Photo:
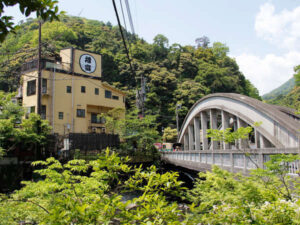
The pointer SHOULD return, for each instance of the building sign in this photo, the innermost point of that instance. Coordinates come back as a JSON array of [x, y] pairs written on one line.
[[87, 63]]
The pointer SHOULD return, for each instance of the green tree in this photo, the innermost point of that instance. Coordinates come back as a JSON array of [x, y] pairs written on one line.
[[219, 49], [140, 133], [44, 9], [188, 93], [56, 34], [115, 121], [159, 99], [297, 75], [66, 194], [188, 66], [15, 131], [168, 69], [221, 197], [268, 196], [160, 46], [170, 135]]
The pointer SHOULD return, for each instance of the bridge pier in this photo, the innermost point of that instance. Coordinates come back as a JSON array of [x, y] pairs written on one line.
[[186, 142], [225, 125], [191, 137], [279, 126], [197, 133], [204, 140], [242, 143], [213, 125]]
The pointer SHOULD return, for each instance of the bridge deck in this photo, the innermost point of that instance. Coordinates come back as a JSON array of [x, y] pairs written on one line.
[[232, 160]]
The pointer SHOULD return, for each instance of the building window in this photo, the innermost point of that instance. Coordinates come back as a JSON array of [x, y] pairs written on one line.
[[80, 113], [115, 97], [69, 89], [95, 118], [29, 110], [61, 115], [32, 109], [44, 86], [96, 91], [82, 89], [107, 94], [31, 87], [43, 113]]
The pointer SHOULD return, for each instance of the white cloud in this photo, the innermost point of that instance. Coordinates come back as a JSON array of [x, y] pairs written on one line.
[[270, 71], [281, 29]]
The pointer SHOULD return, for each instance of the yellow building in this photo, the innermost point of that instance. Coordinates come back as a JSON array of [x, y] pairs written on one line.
[[73, 95]]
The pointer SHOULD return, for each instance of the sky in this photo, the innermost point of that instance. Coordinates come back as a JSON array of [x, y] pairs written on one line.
[[262, 35]]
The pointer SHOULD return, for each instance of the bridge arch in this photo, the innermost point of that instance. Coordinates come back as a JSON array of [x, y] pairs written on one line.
[[279, 125]]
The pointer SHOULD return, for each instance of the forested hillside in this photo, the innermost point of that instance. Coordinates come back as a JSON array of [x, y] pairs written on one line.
[[289, 97], [174, 73], [283, 89]]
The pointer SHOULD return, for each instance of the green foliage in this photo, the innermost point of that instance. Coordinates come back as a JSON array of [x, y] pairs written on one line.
[[160, 46], [170, 135], [140, 133], [85, 193], [287, 94], [15, 131], [10, 110], [297, 75], [44, 9], [283, 89], [58, 31], [115, 121], [269, 196], [188, 93], [276, 176], [229, 136], [67, 194], [219, 49], [174, 74], [150, 181]]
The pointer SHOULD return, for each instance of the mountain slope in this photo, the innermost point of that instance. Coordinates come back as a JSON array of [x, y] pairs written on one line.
[[174, 74], [284, 89]]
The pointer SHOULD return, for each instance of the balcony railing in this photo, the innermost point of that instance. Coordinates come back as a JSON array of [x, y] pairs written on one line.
[[232, 160]]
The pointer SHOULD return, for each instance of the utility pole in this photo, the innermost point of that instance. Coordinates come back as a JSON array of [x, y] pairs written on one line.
[[39, 92], [178, 106], [39, 80]]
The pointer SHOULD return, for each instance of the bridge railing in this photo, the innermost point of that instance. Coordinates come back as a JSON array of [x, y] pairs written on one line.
[[232, 160]]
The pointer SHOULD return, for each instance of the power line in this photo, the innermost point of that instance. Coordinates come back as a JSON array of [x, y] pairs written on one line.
[[122, 35], [129, 16], [140, 94], [123, 15]]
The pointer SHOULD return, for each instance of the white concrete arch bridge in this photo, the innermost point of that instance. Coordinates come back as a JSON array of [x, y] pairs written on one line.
[[277, 133]]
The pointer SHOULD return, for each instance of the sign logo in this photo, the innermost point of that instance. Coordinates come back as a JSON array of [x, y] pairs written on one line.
[[87, 63]]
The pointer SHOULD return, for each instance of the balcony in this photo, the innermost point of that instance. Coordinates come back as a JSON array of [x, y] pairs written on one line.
[[45, 64]]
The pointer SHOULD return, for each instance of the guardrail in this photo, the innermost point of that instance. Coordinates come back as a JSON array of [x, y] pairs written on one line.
[[232, 160]]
